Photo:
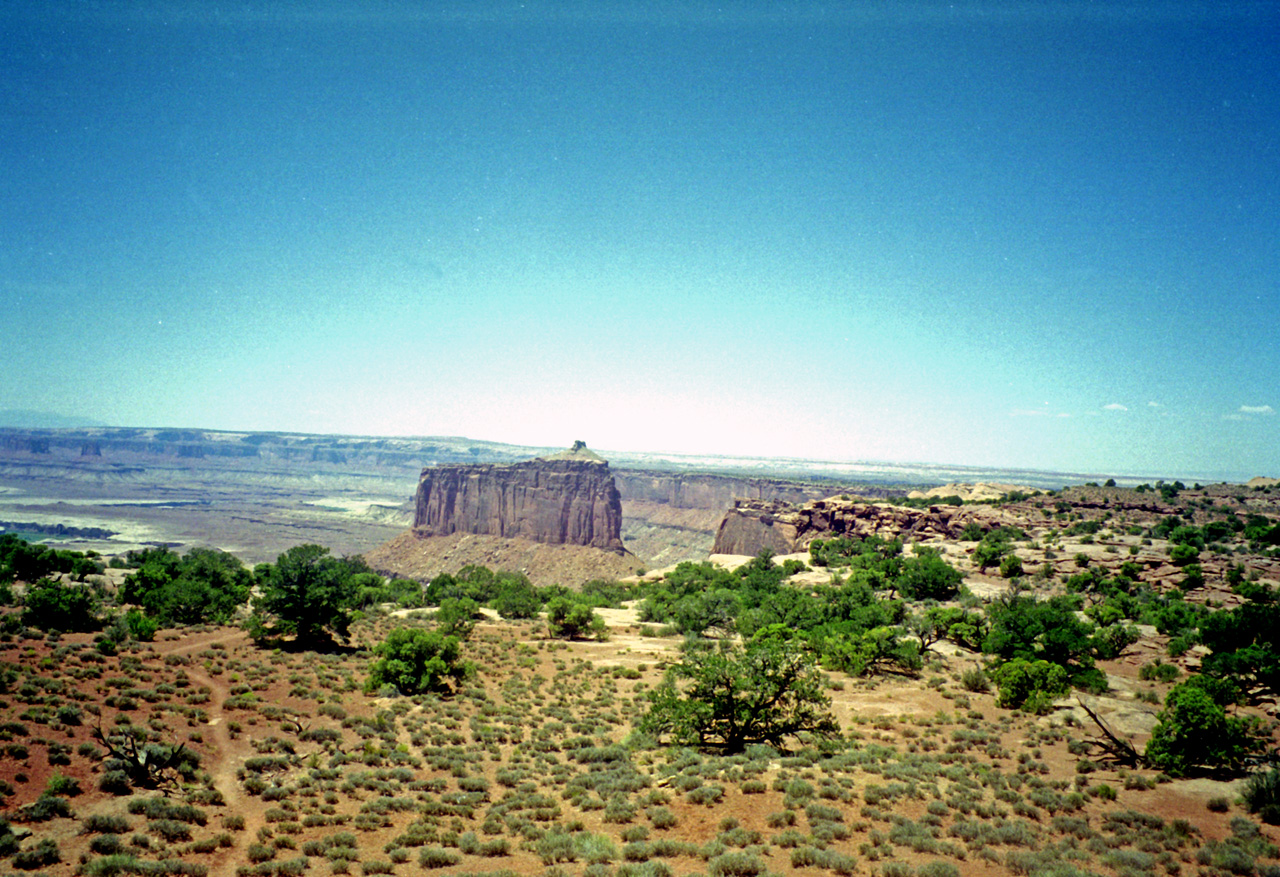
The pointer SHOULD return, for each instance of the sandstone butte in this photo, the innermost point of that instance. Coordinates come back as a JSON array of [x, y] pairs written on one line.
[[568, 498]]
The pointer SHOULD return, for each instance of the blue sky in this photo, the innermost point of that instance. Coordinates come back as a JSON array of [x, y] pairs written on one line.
[[1001, 234]]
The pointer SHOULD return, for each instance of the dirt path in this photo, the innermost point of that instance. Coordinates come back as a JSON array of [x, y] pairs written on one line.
[[225, 755]]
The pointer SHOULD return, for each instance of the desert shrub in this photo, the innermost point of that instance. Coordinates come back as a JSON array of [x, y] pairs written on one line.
[[52, 605], [938, 869], [736, 864], [1194, 731], [975, 680], [62, 785], [104, 823], [1158, 671], [43, 853], [764, 692], [43, 809], [106, 844], [415, 660], [1030, 686], [595, 849], [572, 620], [661, 817], [1262, 795], [1011, 566]]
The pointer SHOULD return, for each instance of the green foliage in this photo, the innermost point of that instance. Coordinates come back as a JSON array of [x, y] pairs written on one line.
[[1194, 731], [1158, 671], [1011, 566], [572, 620], [415, 660], [1110, 642], [728, 697], [1030, 686], [605, 594], [139, 626], [517, 598], [1022, 627], [1262, 795], [1243, 642], [961, 626], [706, 611], [860, 653], [851, 550], [25, 561], [308, 594], [206, 585], [926, 576], [52, 605], [992, 549], [457, 616]]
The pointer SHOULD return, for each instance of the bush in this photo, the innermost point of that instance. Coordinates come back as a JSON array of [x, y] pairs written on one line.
[[1262, 795], [571, 620], [42, 854], [415, 660], [308, 594], [102, 823], [1011, 566], [736, 864], [51, 605], [44, 808], [764, 692], [1194, 731], [926, 576], [1030, 686]]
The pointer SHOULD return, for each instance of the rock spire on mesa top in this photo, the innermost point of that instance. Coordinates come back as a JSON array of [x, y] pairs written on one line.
[[579, 452]]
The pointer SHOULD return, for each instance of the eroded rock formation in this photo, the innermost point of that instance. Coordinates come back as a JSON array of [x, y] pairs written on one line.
[[785, 528], [567, 499]]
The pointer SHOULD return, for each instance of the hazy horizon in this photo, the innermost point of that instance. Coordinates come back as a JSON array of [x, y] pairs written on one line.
[[999, 235]]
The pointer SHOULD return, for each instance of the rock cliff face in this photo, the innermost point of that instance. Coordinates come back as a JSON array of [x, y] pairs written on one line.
[[568, 499], [784, 528]]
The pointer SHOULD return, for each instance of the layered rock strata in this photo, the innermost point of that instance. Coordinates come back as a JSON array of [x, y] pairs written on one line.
[[784, 528], [568, 499]]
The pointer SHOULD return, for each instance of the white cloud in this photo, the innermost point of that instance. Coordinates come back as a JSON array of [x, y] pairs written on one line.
[[1115, 406], [1037, 412], [1257, 409], [1234, 417], [1154, 405]]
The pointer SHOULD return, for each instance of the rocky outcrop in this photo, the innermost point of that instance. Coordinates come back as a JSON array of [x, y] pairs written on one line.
[[566, 499], [689, 490], [785, 528]]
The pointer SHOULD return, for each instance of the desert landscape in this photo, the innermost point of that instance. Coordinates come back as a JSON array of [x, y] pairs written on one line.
[[955, 679]]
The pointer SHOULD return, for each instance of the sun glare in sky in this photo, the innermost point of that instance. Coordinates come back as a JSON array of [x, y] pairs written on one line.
[[1010, 235]]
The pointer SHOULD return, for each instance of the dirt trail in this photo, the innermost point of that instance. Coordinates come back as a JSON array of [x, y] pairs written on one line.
[[226, 755]]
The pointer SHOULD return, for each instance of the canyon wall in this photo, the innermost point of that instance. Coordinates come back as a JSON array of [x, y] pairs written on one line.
[[569, 499], [784, 528]]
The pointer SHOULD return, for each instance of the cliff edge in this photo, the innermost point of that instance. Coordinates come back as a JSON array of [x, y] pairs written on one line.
[[565, 499]]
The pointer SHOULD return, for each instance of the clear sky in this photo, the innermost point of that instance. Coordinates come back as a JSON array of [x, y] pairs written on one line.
[[993, 233]]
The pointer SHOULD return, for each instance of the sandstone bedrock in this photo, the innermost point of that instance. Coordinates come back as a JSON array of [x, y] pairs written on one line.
[[570, 500]]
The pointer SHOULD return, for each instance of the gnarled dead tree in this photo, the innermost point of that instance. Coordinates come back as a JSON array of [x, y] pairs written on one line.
[[1110, 747], [147, 765]]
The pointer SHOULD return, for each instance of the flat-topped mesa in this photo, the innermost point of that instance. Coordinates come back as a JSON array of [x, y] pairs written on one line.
[[567, 498]]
